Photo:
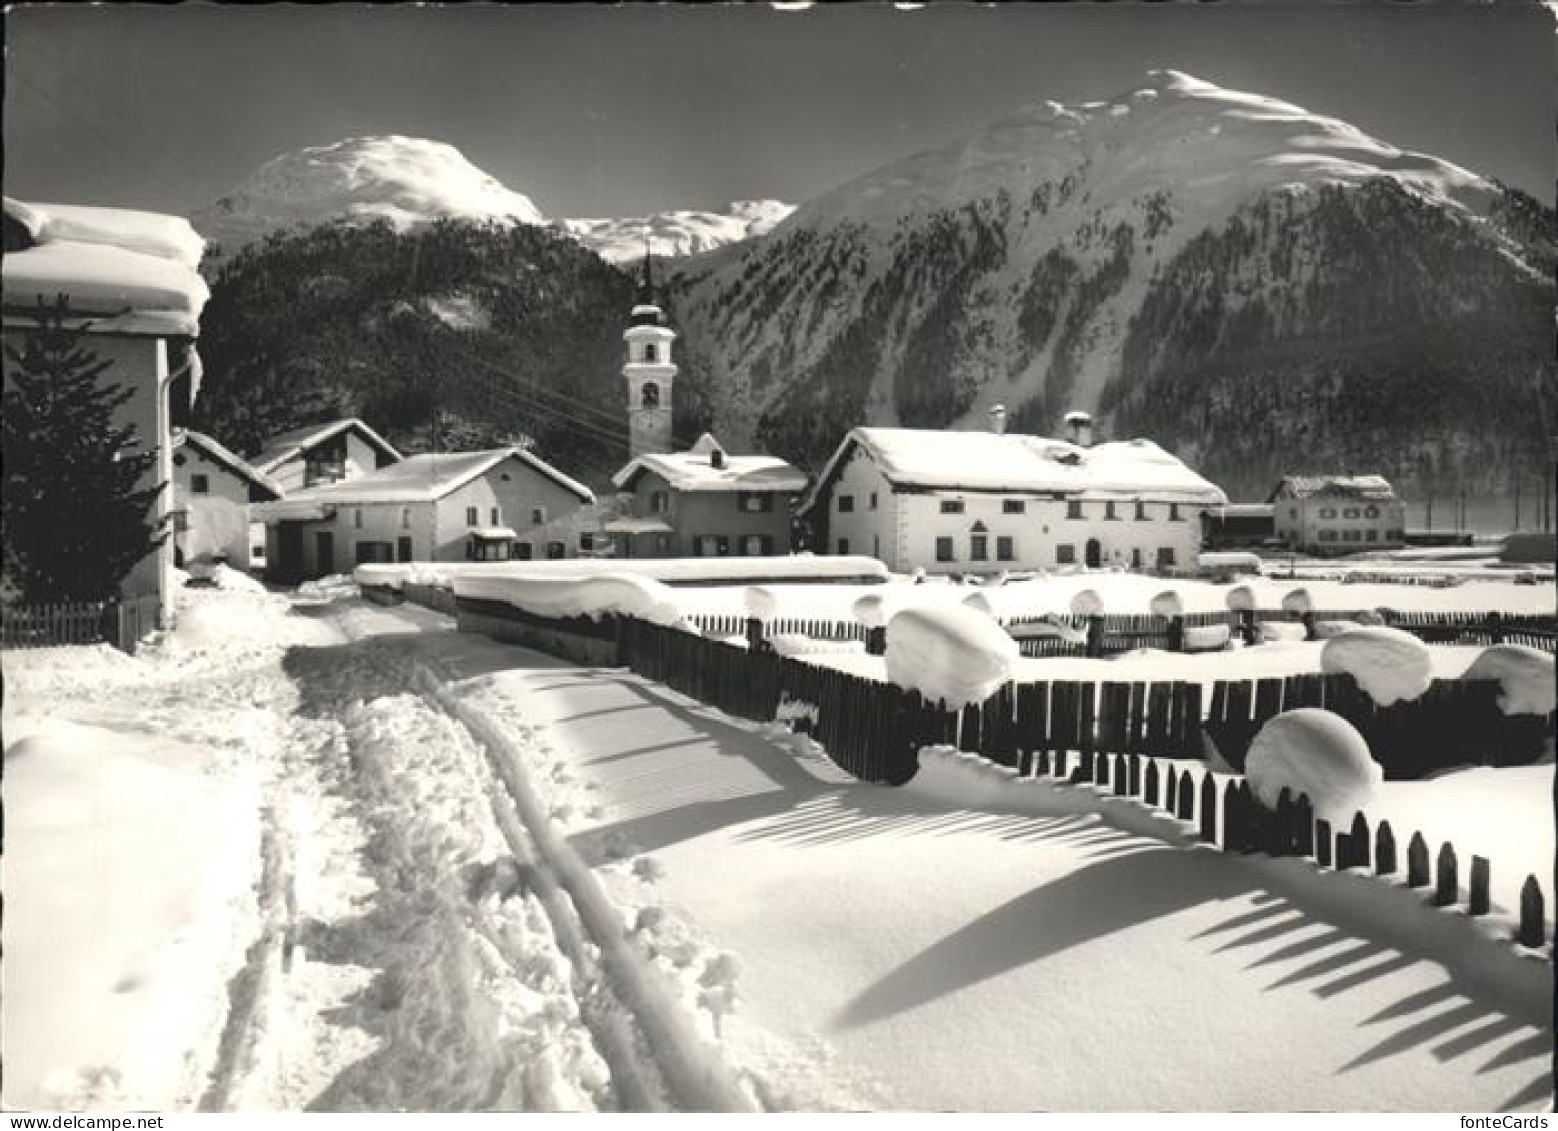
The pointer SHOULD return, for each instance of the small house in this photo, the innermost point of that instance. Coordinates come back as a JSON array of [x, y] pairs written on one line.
[[323, 453], [704, 502], [981, 502], [1337, 514], [465, 506], [212, 493]]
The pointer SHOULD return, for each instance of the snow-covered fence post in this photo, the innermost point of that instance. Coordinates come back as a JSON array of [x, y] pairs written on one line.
[[1384, 850], [1446, 878], [1134, 773], [1241, 602], [1533, 927], [1358, 843], [1169, 607], [1303, 826], [871, 612], [1186, 802], [1299, 604], [1150, 784], [1209, 810], [1477, 901], [1323, 843], [1089, 604], [1417, 862]]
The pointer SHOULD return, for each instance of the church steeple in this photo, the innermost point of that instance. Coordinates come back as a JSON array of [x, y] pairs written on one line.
[[649, 371]]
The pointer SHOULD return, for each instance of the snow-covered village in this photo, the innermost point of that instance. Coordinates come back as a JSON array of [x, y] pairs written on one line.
[[779, 558]]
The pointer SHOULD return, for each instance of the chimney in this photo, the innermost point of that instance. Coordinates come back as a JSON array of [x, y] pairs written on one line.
[[998, 419], [1079, 429]]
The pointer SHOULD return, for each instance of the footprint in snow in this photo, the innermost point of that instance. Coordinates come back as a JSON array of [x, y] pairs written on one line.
[[648, 869]]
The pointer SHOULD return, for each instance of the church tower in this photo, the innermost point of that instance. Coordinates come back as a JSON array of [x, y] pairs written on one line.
[[649, 372]]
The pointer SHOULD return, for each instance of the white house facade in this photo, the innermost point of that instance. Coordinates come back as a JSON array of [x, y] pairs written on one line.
[[212, 493], [323, 453], [982, 502], [1338, 514], [484, 506]]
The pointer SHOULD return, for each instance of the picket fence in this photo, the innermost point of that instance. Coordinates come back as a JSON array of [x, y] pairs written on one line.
[[120, 623]]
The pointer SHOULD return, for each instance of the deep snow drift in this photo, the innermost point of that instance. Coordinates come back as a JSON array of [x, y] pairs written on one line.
[[1316, 753]]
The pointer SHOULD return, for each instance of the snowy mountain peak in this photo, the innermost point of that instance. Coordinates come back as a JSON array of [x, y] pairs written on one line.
[[677, 232], [405, 180]]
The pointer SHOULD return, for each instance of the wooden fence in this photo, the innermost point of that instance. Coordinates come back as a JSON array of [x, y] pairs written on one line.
[[120, 623]]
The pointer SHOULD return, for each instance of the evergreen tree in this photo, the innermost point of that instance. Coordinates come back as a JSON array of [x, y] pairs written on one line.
[[75, 513]]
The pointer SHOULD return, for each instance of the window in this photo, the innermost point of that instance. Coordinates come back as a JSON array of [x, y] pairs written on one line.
[[1293, 513], [754, 502], [522, 551], [843, 546], [873, 500], [1109, 510], [1350, 512], [1371, 512], [1352, 536], [846, 504], [1327, 512], [1073, 509], [180, 521], [1165, 557], [876, 546], [951, 506], [1065, 555], [496, 516], [1141, 511], [1372, 536], [556, 550], [357, 517], [1013, 506], [978, 547], [1004, 549], [471, 517], [649, 351], [537, 516], [374, 552], [649, 396], [1327, 535], [659, 502], [1174, 515], [405, 518], [403, 549], [200, 484], [1135, 557], [943, 549], [756, 545], [586, 542]]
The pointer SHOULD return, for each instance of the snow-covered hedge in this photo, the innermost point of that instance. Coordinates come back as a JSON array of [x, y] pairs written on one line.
[[1390, 665], [1167, 605], [619, 594], [1087, 603], [950, 653], [1241, 598], [1525, 675], [870, 610], [1317, 753]]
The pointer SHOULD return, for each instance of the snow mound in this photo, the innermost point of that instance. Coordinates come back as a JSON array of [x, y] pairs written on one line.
[[1087, 604], [979, 603], [799, 644], [1168, 605], [1525, 675], [611, 594], [1316, 753], [760, 603], [1207, 638], [950, 653], [1389, 664], [233, 580]]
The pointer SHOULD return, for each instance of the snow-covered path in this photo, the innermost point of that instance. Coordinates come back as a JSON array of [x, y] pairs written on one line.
[[898, 950]]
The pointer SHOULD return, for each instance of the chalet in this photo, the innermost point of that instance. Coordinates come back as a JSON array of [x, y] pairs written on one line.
[[323, 453], [1338, 514], [978, 502], [481, 506], [704, 503], [132, 283], [212, 492]]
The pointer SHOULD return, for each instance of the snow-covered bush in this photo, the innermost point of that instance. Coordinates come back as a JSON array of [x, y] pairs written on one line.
[[1317, 753], [1390, 665], [1087, 603], [950, 653], [1167, 605], [1298, 602], [1525, 674], [760, 603]]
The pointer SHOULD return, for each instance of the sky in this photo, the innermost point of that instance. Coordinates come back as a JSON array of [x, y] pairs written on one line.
[[621, 111]]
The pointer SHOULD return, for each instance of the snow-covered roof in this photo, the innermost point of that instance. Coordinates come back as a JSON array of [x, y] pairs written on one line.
[[931, 460], [289, 445], [234, 463], [1375, 487], [127, 272], [416, 479], [637, 526], [496, 533], [694, 470], [1244, 510]]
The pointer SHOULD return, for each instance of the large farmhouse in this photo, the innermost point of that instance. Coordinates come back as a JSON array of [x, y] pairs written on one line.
[[974, 502], [212, 492], [481, 506], [1338, 514]]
